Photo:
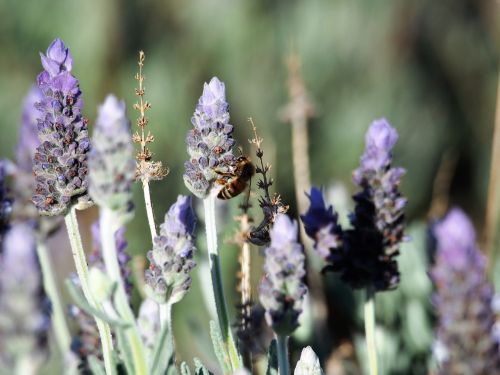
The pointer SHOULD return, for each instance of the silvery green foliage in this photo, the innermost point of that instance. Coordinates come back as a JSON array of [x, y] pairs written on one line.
[[60, 161], [171, 260], [148, 322], [210, 142], [282, 291], [111, 160], [308, 363], [466, 340], [86, 342], [24, 309]]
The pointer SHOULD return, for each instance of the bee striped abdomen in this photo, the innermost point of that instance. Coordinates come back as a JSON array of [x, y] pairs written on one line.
[[232, 189]]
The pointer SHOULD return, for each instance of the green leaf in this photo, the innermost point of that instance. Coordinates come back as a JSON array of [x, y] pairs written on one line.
[[82, 303], [220, 350], [200, 369], [125, 350], [95, 365], [162, 356], [272, 359]]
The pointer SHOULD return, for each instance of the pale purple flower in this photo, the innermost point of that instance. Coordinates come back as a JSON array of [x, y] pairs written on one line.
[[60, 161], [111, 160], [171, 259], [210, 142], [466, 332], [282, 291], [24, 309]]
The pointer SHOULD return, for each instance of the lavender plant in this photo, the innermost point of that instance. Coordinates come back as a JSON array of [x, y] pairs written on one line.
[[466, 339], [60, 166], [24, 309], [365, 255], [60, 161], [209, 145], [282, 290], [171, 259], [111, 175]]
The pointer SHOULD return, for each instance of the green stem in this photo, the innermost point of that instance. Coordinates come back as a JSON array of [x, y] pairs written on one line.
[[108, 225], [282, 348], [217, 286], [61, 330], [82, 272], [370, 330]]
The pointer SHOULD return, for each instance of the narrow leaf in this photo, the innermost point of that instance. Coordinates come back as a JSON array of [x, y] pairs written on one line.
[[163, 353], [200, 369], [220, 350], [185, 369], [95, 365], [82, 303]]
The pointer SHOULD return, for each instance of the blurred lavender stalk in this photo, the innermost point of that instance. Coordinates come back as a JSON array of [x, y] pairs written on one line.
[[111, 174], [24, 310], [282, 291], [209, 145], [467, 342], [25, 150], [60, 162]]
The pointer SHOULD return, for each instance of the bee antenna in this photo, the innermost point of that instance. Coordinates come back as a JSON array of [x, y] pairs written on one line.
[[240, 149]]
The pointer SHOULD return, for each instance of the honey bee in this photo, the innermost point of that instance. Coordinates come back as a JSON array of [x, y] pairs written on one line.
[[236, 181]]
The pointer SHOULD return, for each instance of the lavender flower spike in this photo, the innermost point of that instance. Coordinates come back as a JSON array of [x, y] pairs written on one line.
[[24, 313], [463, 300], [60, 161], [171, 260], [210, 142], [378, 219], [282, 290], [321, 224], [111, 160]]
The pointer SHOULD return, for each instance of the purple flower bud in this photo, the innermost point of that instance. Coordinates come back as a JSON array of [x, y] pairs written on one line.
[[60, 161], [111, 160], [463, 300], [380, 139], [171, 260], [321, 224], [282, 290], [57, 59], [24, 310], [210, 142]]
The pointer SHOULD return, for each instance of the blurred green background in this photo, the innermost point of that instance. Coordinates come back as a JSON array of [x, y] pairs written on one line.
[[430, 67]]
